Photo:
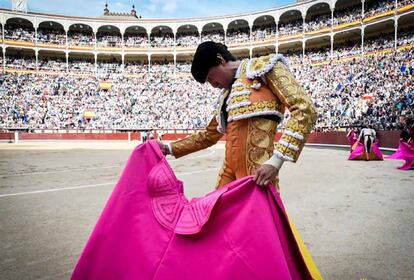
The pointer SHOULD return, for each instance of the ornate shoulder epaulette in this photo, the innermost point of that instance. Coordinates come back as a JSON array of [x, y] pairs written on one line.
[[220, 112], [257, 67]]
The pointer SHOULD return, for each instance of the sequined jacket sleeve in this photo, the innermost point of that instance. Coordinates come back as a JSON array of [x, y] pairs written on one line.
[[302, 111], [197, 141]]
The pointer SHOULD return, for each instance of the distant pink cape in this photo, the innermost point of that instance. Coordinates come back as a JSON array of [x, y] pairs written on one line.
[[404, 152], [358, 149], [149, 230]]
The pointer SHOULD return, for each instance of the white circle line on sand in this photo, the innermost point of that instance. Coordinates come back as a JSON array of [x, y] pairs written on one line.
[[197, 171], [56, 190], [194, 157], [93, 185], [59, 171], [92, 168]]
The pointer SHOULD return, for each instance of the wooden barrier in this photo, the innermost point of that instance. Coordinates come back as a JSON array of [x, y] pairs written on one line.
[[77, 136], [9, 136], [388, 139]]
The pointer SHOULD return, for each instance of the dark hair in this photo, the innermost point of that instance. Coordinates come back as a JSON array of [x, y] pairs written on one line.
[[205, 57]]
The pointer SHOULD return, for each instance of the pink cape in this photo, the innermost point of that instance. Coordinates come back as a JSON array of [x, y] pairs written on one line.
[[404, 152], [358, 149], [149, 230]]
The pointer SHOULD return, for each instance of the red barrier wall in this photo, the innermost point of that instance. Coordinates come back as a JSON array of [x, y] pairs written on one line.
[[6, 136], [388, 139], [77, 136]]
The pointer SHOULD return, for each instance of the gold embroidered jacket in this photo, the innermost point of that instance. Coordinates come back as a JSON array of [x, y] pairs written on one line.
[[249, 97]]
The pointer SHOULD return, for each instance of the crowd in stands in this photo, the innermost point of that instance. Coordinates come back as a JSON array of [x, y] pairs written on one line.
[[261, 34], [21, 62], [135, 68], [136, 41], [349, 48], [80, 39], [405, 38], [317, 55], [183, 67], [318, 23], [384, 41], [188, 41], [295, 58], [109, 68], [52, 64], [51, 37], [238, 36], [292, 28], [352, 14], [161, 41], [213, 36], [81, 66], [405, 2], [20, 34], [182, 102], [347, 16], [164, 67], [376, 90], [346, 49], [377, 7], [109, 41], [372, 90], [48, 101]]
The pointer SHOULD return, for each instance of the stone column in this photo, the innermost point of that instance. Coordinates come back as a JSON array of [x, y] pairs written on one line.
[[395, 32]]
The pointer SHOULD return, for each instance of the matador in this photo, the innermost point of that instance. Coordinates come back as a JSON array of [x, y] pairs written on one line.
[[256, 93]]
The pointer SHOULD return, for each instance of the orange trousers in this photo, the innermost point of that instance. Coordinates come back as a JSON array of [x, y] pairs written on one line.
[[249, 143]]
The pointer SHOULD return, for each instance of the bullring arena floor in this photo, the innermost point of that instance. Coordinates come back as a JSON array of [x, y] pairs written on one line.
[[357, 218]]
